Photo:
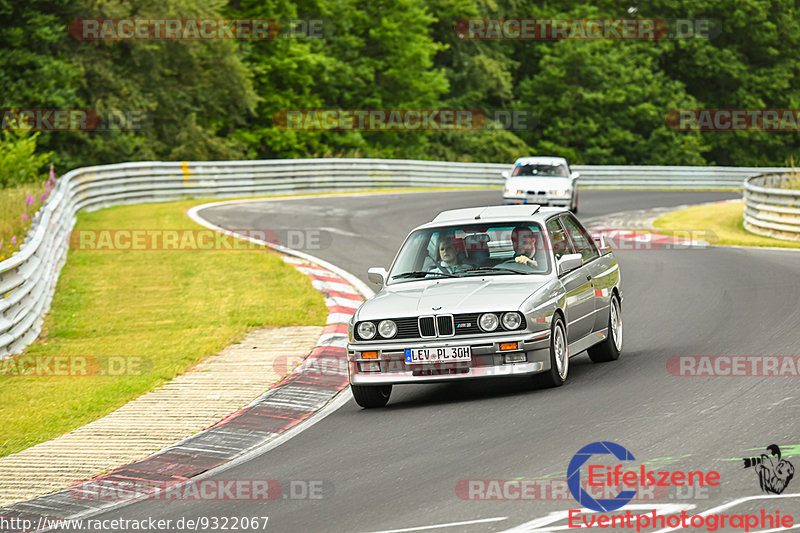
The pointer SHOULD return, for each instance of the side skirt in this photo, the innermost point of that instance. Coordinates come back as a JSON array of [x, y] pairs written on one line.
[[587, 342]]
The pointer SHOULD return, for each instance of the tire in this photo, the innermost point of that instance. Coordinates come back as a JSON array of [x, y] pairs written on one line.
[[559, 357], [611, 347], [575, 207], [368, 396]]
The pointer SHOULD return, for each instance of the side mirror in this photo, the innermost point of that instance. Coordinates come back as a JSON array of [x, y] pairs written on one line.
[[506, 174], [569, 262], [377, 275], [576, 175]]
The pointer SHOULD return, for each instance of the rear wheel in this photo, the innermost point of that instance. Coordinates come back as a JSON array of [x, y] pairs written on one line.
[[559, 357], [610, 348], [368, 396]]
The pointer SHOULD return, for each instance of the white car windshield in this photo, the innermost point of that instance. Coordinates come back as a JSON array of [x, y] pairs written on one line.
[[539, 170], [472, 250]]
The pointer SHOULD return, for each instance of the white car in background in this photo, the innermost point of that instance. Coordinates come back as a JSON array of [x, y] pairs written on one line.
[[543, 181]]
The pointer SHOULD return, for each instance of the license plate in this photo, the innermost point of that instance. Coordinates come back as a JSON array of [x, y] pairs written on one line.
[[448, 354]]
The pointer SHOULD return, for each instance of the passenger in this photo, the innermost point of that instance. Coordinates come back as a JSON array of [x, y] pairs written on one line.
[[448, 256], [524, 241]]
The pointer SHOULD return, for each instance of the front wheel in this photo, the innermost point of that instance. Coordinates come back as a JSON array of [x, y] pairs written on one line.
[[368, 396], [559, 357], [610, 348]]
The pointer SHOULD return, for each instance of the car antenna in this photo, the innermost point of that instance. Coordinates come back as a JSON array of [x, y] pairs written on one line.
[[478, 216]]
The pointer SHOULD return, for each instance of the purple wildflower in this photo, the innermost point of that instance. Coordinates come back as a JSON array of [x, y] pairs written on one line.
[[29, 200]]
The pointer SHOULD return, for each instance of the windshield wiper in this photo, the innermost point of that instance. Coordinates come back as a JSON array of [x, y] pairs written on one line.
[[495, 269], [421, 274]]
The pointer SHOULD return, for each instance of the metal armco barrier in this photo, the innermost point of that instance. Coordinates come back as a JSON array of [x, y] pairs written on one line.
[[770, 210], [28, 279]]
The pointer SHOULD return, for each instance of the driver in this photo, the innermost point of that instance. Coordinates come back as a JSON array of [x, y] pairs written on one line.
[[524, 241], [448, 256]]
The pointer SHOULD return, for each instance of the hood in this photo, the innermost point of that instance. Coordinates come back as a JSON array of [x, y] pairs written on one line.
[[534, 183], [472, 295]]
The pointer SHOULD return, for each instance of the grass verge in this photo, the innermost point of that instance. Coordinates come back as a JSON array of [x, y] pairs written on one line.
[[170, 308], [16, 213], [723, 220]]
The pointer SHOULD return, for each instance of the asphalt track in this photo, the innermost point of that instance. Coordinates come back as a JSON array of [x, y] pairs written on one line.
[[399, 467]]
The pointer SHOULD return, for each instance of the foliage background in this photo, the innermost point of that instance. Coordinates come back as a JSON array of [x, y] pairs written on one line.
[[598, 102]]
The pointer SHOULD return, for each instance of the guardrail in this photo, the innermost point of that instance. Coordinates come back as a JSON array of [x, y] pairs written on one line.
[[769, 210], [28, 278]]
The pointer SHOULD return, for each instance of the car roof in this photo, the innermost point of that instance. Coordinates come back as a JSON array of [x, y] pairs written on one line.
[[494, 213], [540, 160]]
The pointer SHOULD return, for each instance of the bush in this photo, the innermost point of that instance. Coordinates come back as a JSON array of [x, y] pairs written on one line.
[[18, 164]]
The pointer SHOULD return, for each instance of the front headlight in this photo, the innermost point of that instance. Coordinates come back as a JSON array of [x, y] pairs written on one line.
[[512, 320], [488, 322], [387, 329], [559, 192], [366, 330]]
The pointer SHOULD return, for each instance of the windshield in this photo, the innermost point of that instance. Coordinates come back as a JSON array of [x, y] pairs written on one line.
[[472, 250], [539, 170]]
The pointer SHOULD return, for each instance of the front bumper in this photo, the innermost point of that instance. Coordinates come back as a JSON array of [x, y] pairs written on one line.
[[560, 201], [487, 361]]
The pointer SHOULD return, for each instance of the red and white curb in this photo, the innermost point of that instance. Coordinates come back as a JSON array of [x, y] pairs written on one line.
[[309, 389], [623, 230]]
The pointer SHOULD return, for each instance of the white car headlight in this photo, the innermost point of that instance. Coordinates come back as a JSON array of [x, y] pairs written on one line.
[[559, 192], [366, 330], [387, 329], [488, 322], [512, 320]]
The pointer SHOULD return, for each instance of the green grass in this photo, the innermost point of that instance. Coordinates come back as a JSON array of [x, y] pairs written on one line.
[[12, 206], [723, 220], [170, 307]]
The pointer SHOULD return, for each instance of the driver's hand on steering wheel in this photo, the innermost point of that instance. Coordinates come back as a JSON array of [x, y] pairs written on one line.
[[526, 260]]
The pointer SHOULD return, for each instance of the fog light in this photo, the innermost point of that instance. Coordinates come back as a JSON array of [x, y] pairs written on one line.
[[369, 366], [369, 355], [518, 357], [508, 346]]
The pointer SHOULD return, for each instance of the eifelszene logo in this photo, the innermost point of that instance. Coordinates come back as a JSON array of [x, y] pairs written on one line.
[[774, 473], [602, 475]]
